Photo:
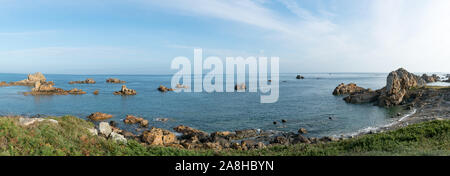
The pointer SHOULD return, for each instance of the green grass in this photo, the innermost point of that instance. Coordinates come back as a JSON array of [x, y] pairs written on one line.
[[70, 138]]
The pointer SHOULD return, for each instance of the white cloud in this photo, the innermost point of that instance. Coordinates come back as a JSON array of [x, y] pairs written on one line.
[[412, 34]]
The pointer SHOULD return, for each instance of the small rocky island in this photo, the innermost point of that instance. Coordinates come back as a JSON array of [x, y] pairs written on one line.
[[46, 88], [125, 91], [30, 81], [402, 89], [115, 81], [87, 81]]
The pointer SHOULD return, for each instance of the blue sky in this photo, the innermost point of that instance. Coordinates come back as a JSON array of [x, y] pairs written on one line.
[[143, 36]]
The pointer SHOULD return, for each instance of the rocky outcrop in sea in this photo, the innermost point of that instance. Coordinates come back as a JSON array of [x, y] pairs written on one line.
[[31, 80], [351, 88], [87, 81], [46, 88], [162, 88], [115, 81], [125, 91], [398, 83]]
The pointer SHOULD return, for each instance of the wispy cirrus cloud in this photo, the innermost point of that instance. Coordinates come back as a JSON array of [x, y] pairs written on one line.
[[387, 35]]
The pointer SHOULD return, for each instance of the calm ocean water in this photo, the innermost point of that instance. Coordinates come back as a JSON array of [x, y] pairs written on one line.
[[304, 103]]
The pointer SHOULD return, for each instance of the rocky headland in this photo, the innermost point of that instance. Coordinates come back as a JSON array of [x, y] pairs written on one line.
[[409, 92], [398, 85]]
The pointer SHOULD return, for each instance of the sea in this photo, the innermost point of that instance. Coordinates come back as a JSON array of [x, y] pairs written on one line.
[[307, 103]]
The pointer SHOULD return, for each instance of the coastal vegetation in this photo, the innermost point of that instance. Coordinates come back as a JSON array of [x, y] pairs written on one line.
[[70, 137]]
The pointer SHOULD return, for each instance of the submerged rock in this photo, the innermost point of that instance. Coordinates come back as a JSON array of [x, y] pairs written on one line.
[[87, 81], [115, 81], [125, 91], [161, 119], [99, 116], [179, 86], [300, 77]]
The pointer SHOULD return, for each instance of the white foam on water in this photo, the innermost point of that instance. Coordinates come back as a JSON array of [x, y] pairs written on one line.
[[376, 128]]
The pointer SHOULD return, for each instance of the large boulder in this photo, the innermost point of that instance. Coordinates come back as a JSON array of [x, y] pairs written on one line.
[[398, 83], [343, 89], [116, 137], [125, 91], [105, 129], [159, 137], [99, 116]]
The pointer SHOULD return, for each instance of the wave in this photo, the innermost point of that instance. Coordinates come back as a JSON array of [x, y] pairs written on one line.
[[374, 129]]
